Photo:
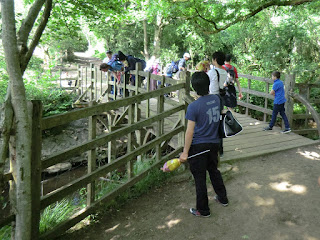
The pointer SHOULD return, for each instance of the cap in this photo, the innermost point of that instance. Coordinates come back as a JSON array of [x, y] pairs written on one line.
[[186, 55]]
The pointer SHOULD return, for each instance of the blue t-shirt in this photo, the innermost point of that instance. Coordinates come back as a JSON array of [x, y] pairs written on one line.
[[205, 112], [278, 88]]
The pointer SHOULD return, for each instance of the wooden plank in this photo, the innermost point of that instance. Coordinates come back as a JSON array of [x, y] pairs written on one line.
[[306, 131], [258, 141], [36, 140], [92, 134], [302, 116], [261, 79], [254, 107], [265, 149], [258, 93]]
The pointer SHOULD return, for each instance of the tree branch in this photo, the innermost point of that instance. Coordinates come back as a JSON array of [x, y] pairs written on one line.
[[27, 25], [253, 13], [45, 17]]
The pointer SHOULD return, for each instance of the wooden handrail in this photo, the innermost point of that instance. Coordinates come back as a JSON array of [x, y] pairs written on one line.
[[313, 112]]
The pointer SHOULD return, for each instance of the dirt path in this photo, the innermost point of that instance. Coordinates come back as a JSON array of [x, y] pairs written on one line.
[[274, 197]]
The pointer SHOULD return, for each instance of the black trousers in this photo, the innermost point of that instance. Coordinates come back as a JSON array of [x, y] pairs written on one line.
[[199, 166]]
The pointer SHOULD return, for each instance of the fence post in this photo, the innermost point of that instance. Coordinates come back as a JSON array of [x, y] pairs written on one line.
[[80, 79], [130, 137], [183, 93], [95, 83], [36, 167], [289, 86], [248, 97], [304, 91], [160, 123], [86, 77], [92, 81], [137, 112], [266, 102], [148, 90], [91, 156]]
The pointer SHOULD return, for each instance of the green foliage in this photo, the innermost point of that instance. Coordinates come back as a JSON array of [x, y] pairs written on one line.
[[5, 233], [40, 85], [55, 214]]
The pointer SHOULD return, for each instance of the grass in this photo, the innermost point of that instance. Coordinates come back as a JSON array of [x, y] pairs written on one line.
[[55, 214]]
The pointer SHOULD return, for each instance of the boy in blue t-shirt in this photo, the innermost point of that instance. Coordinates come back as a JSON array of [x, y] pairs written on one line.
[[203, 117], [278, 103]]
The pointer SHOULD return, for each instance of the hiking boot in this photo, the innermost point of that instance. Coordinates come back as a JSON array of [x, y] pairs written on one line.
[[287, 130], [196, 213], [216, 197], [267, 128]]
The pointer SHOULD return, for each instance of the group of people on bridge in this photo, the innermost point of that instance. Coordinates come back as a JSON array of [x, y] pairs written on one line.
[[120, 63]]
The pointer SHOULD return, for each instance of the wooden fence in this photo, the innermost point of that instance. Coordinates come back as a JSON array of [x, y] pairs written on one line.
[[132, 128]]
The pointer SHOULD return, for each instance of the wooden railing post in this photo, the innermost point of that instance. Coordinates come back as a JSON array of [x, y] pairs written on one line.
[[289, 86], [130, 138], [248, 96], [91, 156], [36, 167], [92, 81], [160, 123], [80, 82], [137, 112], [266, 101], [101, 85], [148, 90], [86, 77], [95, 84], [183, 93]]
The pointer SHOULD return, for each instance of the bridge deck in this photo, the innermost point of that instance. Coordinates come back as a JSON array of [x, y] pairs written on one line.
[[253, 141]]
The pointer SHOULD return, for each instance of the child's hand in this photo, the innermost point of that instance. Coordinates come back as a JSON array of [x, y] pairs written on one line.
[[183, 157], [240, 96]]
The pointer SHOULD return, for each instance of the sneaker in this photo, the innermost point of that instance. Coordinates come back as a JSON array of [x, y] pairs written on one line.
[[267, 128], [196, 213], [217, 200], [287, 130]]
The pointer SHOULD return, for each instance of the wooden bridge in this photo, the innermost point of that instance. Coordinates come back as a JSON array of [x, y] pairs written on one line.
[[150, 122]]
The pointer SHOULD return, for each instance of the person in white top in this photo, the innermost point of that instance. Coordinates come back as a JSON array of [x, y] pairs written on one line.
[[218, 71], [218, 59]]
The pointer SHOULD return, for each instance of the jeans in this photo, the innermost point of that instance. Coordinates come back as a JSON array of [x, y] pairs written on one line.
[[279, 108], [199, 165]]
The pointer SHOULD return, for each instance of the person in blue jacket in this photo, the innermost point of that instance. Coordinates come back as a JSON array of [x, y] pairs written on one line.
[[278, 103]]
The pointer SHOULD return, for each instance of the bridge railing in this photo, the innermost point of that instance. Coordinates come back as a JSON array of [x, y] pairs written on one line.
[[130, 124]]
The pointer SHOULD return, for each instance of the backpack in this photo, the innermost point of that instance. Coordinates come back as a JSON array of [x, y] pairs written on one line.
[[173, 67], [231, 74]]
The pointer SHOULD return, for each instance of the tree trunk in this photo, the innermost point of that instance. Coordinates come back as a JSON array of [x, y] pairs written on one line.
[[157, 36], [22, 172], [145, 40]]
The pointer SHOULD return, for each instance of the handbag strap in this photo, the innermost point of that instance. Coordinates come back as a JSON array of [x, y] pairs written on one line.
[[218, 77]]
